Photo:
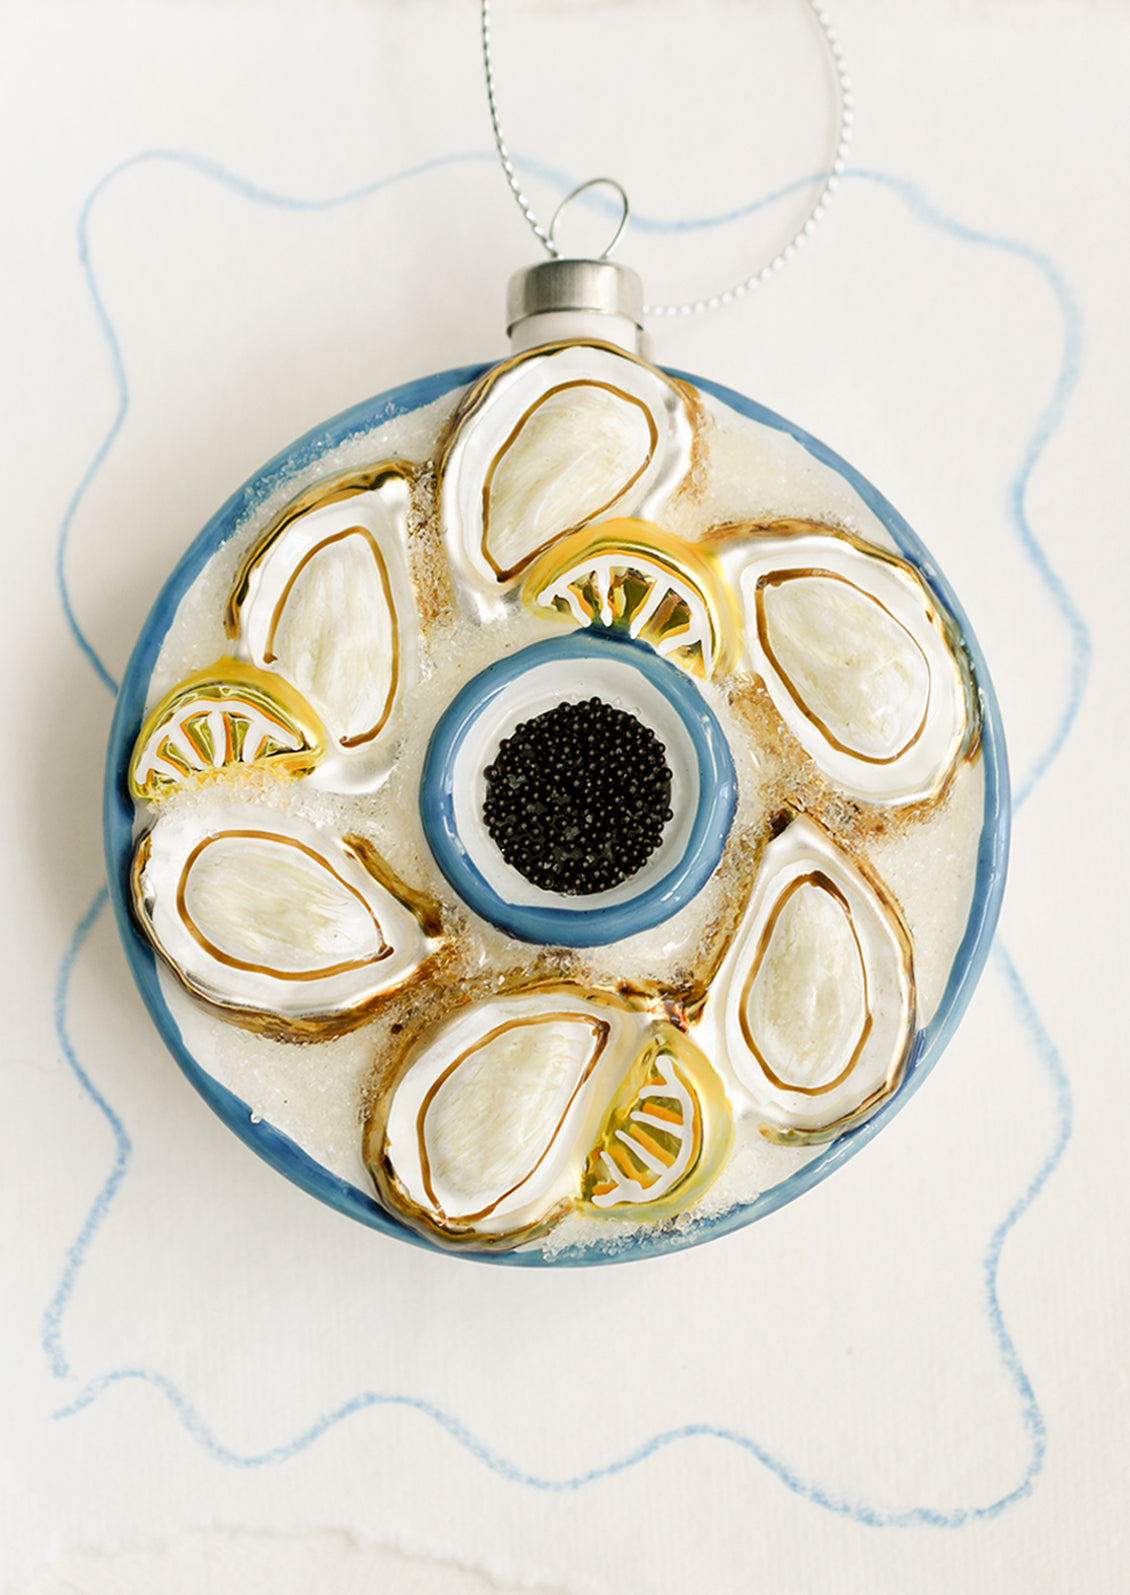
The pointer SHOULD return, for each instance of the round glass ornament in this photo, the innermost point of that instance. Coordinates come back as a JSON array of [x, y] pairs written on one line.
[[306, 891]]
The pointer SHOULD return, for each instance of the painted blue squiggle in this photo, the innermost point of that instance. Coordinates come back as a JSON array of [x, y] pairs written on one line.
[[840, 1504], [76, 1256], [247, 190], [1052, 1064], [923, 208]]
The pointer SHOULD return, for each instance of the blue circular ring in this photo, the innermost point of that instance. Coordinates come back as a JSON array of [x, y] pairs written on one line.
[[581, 927]]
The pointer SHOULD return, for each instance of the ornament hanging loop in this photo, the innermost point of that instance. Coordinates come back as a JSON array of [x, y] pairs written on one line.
[[593, 182], [826, 193]]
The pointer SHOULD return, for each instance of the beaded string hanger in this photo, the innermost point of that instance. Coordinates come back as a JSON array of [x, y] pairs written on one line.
[[738, 290]]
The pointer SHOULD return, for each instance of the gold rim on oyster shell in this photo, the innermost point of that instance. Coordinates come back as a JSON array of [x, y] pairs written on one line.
[[548, 442], [325, 600], [862, 664], [277, 925], [816, 1003]]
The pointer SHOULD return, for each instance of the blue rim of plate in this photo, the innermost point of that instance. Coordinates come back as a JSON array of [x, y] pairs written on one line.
[[580, 926], [278, 1149]]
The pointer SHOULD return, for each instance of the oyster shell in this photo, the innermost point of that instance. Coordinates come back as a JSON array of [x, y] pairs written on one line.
[[817, 999], [632, 576], [550, 441], [227, 717], [863, 665], [325, 600], [283, 928], [505, 1116]]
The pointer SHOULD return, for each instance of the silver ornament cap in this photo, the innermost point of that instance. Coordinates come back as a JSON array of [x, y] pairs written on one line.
[[559, 299]]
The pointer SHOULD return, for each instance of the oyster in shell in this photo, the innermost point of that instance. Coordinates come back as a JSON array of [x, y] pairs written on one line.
[[860, 661], [817, 1002], [550, 441], [280, 926], [505, 1115], [325, 600]]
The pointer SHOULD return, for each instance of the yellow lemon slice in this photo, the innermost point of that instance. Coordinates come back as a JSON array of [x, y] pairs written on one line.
[[665, 1137], [227, 716], [629, 575]]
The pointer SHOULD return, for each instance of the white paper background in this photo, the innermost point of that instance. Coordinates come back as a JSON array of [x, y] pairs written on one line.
[[916, 1377]]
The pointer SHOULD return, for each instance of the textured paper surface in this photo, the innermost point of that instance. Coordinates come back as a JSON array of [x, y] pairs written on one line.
[[225, 222]]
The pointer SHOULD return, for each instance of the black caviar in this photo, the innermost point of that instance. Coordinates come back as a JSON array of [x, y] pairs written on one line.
[[577, 797]]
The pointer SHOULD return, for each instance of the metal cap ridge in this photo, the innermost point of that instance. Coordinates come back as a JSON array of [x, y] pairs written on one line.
[[593, 287]]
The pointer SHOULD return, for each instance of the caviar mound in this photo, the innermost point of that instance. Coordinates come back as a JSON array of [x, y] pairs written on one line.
[[577, 797], [573, 856]]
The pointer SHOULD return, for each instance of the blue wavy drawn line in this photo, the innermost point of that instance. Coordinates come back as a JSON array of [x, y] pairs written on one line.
[[912, 195], [1046, 426], [53, 1316], [839, 1504], [203, 167], [1042, 1045]]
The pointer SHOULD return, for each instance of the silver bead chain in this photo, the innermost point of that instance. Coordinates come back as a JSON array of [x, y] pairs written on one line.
[[815, 216]]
